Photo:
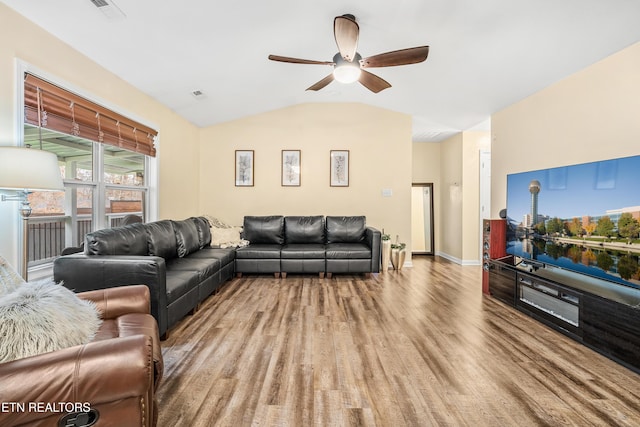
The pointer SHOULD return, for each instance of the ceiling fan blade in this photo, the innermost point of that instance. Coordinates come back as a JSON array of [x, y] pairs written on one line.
[[372, 82], [298, 60], [322, 83], [346, 31], [412, 55]]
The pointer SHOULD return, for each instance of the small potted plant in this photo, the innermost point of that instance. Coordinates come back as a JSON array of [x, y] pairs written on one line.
[[398, 254], [386, 250]]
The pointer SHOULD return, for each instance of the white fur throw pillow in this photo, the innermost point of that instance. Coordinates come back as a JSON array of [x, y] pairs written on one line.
[[227, 237], [43, 316], [9, 278]]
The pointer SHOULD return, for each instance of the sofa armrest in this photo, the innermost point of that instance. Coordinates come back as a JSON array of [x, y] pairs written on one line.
[[101, 375], [114, 302], [81, 273], [372, 237]]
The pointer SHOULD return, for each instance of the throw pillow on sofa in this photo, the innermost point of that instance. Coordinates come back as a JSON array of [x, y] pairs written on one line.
[[227, 237], [40, 317], [224, 235], [9, 278]]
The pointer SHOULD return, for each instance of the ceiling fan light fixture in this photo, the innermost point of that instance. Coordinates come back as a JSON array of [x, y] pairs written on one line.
[[348, 64], [347, 73]]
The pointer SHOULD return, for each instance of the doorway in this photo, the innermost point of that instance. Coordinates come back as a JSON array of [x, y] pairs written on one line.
[[422, 242]]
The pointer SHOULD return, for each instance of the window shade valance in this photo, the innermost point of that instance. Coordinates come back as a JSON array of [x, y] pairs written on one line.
[[55, 108]]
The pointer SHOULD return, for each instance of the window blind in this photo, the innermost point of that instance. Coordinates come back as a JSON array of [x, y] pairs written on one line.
[[55, 108]]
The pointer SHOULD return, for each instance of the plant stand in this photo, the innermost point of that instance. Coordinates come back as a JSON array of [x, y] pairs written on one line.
[[386, 254], [397, 258]]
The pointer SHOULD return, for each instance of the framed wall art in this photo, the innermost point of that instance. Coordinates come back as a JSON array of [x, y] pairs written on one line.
[[244, 168], [290, 168], [339, 168]]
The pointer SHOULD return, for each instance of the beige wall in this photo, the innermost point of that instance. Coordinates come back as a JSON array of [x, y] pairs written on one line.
[[379, 142], [451, 197], [589, 116], [454, 167], [178, 146], [426, 169], [472, 143]]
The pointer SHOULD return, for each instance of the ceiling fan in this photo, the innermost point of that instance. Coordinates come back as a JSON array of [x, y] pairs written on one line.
[[349, 66]]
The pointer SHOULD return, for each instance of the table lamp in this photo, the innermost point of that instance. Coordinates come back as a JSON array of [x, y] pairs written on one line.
[[24, 170]]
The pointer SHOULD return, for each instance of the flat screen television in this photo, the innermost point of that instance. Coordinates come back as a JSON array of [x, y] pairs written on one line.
[[583, 218]]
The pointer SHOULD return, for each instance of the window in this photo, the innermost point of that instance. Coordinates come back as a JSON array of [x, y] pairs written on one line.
[[104, 159]]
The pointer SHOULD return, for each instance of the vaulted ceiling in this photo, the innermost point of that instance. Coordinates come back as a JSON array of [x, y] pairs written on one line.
[[484, 55]]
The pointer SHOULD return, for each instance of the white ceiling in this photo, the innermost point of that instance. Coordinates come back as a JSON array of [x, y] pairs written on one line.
[[484, 55]]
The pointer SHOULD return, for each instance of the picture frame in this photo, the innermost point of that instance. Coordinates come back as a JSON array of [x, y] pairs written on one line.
[[244, 168], [290, 172], [339, 168]]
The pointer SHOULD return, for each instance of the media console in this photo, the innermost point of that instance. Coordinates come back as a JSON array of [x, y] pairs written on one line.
[[602, 315]]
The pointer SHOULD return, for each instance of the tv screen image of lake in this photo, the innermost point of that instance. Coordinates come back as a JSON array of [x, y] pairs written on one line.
[[584, 218]]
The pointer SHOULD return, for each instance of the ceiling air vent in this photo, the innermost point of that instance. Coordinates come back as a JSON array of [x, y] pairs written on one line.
[[198, 94], [109, 9]]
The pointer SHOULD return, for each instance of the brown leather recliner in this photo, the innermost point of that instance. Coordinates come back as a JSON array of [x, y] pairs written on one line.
[[112, 379]]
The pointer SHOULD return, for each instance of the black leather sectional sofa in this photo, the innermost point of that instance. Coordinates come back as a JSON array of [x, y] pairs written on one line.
[[308, 244], [176, 261], [173, 258]]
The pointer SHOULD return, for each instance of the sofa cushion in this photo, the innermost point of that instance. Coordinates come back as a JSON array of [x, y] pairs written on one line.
[[203, 266], [127, 240], [225, 255], [258, 251], [302, 251], [345, 229], [127, 325], [264, 229], [204, 231], [304, 229], [162, 239], [179, 282], [186, 237], [348, 251]]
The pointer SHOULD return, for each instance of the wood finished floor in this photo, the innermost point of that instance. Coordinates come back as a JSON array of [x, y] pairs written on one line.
[[418, 347]]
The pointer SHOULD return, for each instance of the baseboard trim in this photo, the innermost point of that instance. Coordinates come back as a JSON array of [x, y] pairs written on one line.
[[459, 261], [407, 264]]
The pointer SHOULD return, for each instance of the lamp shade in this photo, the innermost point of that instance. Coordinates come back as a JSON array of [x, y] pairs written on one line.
[[346, 71], [29, 169]]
